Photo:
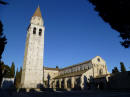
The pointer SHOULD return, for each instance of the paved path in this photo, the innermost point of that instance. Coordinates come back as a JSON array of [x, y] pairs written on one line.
[[66, 94]]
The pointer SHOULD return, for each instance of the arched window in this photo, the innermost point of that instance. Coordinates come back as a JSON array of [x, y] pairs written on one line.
[[34, 30], [88, 67], [100, 72], [40, 32]]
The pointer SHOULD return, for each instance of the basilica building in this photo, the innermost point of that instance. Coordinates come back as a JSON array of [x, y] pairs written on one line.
[[35, 74], [75, 76]]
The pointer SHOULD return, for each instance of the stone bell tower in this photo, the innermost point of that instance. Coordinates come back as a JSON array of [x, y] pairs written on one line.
[[32, 73]]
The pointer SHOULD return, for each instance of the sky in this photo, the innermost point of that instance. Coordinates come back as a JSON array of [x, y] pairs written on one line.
[[74, 33]]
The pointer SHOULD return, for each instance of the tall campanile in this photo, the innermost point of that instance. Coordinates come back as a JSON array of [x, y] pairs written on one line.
[[32, 73]]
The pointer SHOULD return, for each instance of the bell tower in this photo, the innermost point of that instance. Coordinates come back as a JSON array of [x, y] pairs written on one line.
[[32, 73]]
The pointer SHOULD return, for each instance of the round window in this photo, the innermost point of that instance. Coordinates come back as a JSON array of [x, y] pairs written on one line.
[[98, 59]]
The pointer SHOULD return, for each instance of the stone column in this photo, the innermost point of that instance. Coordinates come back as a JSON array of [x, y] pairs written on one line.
[[65, 83], [72, 82], [51, 83], [60, 80], [55, 83], [27, 90], [82, 82], [93, 70]]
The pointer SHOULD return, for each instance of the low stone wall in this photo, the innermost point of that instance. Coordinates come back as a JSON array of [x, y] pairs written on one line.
[[7, 82]]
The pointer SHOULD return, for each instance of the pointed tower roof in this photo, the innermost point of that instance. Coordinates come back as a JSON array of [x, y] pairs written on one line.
[[38, 12]]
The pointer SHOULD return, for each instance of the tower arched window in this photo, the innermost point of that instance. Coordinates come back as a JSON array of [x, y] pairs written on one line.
[[34, 30], [40, 32]]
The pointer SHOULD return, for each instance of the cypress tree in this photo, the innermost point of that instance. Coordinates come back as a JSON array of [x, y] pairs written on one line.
[[20, 74], [12, 69], [16, 79], [123, 69]]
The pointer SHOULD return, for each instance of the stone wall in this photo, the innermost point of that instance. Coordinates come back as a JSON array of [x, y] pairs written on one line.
[[7, 82], [51, 73], [120, 80]]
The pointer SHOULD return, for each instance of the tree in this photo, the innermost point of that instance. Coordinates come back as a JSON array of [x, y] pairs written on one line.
[[116, 13], [115, 70], [2, 2], [20, 73], [3, 39], [1, 72], [3, 42], [18, 77], [123, 69], [5, 71], [13, 69]]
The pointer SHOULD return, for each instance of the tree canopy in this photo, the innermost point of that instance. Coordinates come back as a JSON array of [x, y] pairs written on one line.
[[3, 39], [6, 70], [116, 13], [3, 42], [3, 2], [115, 70]]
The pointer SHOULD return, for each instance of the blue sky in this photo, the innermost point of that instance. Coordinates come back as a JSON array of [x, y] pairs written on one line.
[[74, 33]]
